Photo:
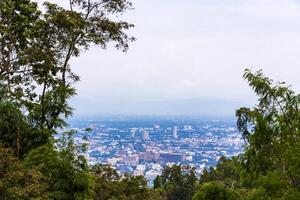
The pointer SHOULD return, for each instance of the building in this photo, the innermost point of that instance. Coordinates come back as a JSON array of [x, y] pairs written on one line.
[[112, 161], [146, 135], [171, 157], [156, 126], [175, 132], [133, 133], [131, 160], [149, 156], [187, 127]]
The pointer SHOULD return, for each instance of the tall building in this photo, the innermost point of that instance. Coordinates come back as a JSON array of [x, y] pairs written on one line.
[[146, 135], [175, 132], [133, 133]]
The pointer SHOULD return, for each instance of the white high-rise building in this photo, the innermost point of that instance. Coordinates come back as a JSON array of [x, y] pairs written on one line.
[[175, 132], [146, 135], [133, 133]]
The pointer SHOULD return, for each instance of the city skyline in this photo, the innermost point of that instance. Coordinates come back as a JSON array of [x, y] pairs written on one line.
[[145, 146]]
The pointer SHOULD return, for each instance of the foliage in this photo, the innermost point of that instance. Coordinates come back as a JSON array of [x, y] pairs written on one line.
[[178, 183], [269, 166], [271, 130], [226, 171], [36, 82], [109, 185], [215, 191], [18, 182], [36, 48], [15, 133], [64, 166]]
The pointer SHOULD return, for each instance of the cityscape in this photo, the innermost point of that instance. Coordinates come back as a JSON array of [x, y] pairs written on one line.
[[145, 145]]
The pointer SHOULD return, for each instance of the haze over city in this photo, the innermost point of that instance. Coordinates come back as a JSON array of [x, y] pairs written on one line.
[[190, 51]]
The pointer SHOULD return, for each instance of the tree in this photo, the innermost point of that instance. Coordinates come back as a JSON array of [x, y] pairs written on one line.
[[271, 130], [178, 183], [36, 49], [269, 166], [64, 166], [17, 182], [17, 23], [105, 182], [68, 32], [157, 182], [13, 128], [36, 81], [227, 172], [215, 191], [109, 185]]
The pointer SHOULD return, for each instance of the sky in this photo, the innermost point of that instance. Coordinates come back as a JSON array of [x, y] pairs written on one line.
[[192, 49]]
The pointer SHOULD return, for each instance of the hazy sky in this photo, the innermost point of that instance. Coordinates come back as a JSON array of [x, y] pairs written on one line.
[[195, 49]]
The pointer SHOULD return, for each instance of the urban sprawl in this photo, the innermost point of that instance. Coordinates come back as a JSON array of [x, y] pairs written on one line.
[[145, 147]]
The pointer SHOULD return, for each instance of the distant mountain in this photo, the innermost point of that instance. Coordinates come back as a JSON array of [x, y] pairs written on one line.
[[190, 107]]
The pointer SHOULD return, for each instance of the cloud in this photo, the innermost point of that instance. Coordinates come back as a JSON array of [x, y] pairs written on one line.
[[196, 49]]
